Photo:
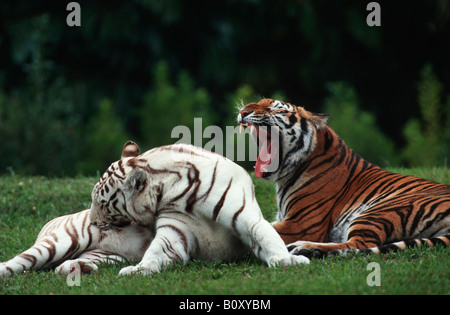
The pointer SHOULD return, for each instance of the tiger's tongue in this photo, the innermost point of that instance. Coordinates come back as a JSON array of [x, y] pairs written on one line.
[[263, 158]]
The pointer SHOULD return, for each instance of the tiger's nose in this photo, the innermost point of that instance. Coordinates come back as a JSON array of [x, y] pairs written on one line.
[[244, 113]]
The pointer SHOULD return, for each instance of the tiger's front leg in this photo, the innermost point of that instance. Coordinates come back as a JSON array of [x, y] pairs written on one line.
[[317, 250], [172, 243]]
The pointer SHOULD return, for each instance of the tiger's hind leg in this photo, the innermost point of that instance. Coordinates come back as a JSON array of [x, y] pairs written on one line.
[[88, 262], [310, 249], [43, 254], [366, 236], [359, 237]]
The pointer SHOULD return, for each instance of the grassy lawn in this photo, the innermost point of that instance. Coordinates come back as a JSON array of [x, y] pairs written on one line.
[[27, 203]]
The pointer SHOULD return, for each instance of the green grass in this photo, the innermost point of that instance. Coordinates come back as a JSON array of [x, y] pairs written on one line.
[[27, 203]]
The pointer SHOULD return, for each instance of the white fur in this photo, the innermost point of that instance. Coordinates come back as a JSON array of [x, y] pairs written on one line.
[[214, 216], [93, 246]]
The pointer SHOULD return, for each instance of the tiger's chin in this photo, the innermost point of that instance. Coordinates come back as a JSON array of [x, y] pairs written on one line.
[[269, 156]]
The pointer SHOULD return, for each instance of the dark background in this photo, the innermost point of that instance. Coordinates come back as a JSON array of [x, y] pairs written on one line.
[[71, 96]]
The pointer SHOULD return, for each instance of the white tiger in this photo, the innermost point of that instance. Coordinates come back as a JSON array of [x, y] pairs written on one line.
[[73, 239], [199, 204]]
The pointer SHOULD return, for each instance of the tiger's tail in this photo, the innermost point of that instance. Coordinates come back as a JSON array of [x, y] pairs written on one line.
[[398, 246]]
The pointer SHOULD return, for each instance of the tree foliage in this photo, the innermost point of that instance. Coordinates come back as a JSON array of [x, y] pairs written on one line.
[[358, 128], [427, 137], [149, 65]]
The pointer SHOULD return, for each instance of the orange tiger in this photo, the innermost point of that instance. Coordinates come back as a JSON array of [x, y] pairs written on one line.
[[330, 200]]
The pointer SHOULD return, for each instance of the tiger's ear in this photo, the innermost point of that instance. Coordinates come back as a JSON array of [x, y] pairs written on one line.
[[130, 149], [136, 181], [318, 119]]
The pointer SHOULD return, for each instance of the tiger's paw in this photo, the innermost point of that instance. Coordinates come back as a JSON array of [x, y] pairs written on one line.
[[4, 271], [144, 269], [130, 270], [84, 266], [288, 260], [306, 249]]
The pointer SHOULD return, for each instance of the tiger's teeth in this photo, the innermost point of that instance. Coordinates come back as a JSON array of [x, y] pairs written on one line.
[[252, 128], [242, 126]]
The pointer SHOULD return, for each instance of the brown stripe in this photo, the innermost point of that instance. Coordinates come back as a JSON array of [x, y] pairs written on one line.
[[29, 257], [51, 249], [54, 236], [83, 224], [233, 221], [121, 166], [196, 179], [169, 251], [221, 201], [74, 238], [182, 236], [213, 180], [181, 149]]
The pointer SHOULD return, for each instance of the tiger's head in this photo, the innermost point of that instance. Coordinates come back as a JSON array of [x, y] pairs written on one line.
[[285, 134], [124, 194]]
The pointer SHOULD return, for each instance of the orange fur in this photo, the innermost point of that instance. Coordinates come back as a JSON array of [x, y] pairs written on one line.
[[330, 199]]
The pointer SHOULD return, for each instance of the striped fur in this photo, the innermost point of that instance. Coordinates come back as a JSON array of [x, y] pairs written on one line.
[[200, 204], [331, 200], [72, 239]]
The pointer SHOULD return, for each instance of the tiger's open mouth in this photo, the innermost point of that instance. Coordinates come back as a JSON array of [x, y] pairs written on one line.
[[269, 153]]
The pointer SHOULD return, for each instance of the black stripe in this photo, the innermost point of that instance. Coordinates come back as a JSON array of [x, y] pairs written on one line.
[[220, 202]]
